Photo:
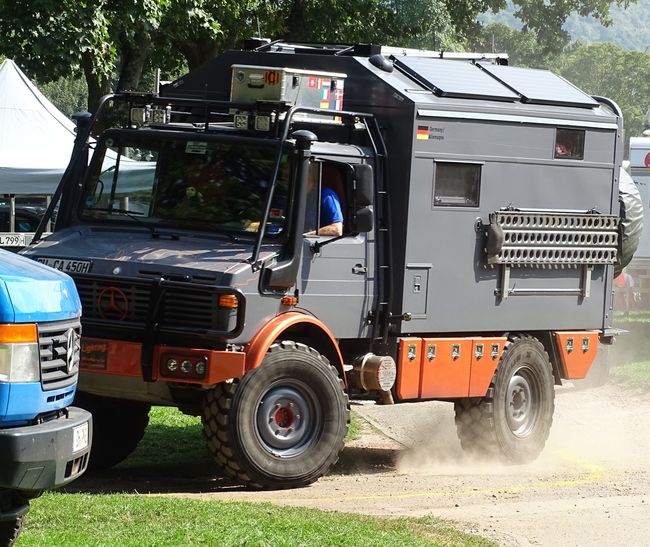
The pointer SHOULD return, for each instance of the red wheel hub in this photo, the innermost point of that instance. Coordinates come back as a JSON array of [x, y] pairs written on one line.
[[284, 417]]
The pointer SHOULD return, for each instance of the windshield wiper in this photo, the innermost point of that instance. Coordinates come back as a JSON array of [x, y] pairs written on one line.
[[133, 216]]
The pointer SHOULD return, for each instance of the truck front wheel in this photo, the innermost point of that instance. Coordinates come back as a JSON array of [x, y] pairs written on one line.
[[118, 427], [11, 503], [9, 530], [512, 422], [281, 425]]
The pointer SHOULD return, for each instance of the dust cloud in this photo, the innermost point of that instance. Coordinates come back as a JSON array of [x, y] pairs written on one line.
[[600, 428]]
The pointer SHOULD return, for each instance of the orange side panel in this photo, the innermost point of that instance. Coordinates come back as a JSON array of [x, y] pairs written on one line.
[[111, 357], [577, 351], [445, 366], [486, 353], [408, 368], [221, 365]]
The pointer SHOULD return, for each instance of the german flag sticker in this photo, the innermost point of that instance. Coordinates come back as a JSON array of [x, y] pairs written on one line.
[[422, 133]]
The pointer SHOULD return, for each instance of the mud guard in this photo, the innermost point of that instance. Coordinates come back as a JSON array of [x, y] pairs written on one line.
[[271, 331]]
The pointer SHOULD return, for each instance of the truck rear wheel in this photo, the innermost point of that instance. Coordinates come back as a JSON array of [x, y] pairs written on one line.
[[118, 427], [512, 422], [282, 425]]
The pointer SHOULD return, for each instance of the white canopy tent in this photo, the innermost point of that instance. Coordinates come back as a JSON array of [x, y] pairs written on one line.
[[36, 139]]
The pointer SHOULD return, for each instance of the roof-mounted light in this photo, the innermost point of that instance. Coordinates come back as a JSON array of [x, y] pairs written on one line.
[[143, 115]]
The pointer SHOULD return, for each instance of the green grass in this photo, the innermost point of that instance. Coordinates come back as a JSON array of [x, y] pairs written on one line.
[[636, 375], [173, 453], [67, 519]]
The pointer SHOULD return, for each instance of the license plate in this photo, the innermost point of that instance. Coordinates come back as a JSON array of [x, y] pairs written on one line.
[[80, 437], [66, 265], [15, 240]]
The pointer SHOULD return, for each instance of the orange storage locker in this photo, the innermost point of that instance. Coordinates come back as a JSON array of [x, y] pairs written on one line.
[[445, 367], [408, 368], [486, 353]]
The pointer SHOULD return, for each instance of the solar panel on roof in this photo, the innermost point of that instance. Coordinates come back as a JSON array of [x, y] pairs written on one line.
[[448, 78], [540, 86]]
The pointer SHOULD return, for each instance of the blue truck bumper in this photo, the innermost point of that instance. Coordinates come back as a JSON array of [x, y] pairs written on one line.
[[47, 455]]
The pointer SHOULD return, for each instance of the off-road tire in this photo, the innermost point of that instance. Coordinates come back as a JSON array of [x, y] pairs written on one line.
[[118, 427], [512, 422], [9, 530], [248, 422]]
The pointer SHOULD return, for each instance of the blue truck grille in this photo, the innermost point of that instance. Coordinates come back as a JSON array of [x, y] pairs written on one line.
[[59, 345]]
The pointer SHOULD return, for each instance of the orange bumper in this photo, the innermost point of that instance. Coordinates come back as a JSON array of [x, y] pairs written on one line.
[[119, 358]]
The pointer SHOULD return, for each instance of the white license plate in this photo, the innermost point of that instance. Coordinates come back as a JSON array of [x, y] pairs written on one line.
[[66, 265], [15, 240], [80, 437]]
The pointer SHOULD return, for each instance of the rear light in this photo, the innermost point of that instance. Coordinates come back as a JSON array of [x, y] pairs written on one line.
[[228, 301], [184, 367]]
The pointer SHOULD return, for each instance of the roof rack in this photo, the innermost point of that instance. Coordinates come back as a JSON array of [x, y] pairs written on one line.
[[364, 50]]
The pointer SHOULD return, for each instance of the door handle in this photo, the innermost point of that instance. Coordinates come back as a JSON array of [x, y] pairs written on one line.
[[359, 269]]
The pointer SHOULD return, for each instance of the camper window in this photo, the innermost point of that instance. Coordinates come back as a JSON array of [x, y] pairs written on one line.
[[569, 144], [456, 184]]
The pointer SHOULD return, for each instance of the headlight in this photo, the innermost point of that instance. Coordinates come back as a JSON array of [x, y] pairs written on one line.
[[20, 359], [19, 363]]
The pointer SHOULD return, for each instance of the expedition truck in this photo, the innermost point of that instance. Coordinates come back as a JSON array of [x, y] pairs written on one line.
[[480, 234], [44, 442]]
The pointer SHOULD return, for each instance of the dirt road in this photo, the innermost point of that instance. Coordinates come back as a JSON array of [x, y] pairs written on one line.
[[590, 487]]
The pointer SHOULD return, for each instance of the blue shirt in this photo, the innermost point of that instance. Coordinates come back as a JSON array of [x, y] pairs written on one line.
[[330, 209]]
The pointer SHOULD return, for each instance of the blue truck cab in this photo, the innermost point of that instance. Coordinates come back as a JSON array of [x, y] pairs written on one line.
[[44, 442]]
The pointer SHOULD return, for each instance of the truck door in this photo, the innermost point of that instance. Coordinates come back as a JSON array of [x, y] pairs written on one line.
[[336, 279]]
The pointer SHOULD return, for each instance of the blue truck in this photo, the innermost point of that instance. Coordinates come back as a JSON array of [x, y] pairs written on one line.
[[44, 442]]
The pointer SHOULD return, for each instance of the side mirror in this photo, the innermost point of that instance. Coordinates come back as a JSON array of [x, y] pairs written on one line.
[[362, 188], [363, 220]]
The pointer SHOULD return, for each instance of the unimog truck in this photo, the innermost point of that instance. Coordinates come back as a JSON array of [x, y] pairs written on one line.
[[44, 441], [480, 235]]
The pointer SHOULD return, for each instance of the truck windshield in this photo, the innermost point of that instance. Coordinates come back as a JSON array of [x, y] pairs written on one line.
[[202, 185]]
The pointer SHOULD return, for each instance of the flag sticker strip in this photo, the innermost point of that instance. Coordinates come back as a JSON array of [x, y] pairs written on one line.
[[422, 133]]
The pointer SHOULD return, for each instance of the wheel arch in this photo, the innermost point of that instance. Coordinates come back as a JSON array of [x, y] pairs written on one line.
[[298, 327]]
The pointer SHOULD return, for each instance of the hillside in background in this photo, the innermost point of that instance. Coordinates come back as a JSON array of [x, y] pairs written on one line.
[[630, 27]]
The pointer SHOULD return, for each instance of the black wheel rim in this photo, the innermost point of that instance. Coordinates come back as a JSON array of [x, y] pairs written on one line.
[[289, 419], [523, 399]]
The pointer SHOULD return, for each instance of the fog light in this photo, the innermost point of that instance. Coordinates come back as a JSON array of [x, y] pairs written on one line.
[[186, 367], [172, 365], [200, 368]]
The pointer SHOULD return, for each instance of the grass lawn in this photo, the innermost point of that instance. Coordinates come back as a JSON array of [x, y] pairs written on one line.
[[172, 440], [636, 375], [83, 519]]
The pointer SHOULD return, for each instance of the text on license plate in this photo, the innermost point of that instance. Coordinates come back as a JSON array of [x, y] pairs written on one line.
[[15, 240], [80, 437], [66, 265]]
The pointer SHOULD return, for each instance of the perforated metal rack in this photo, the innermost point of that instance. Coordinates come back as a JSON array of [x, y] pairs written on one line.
[[540, 239]]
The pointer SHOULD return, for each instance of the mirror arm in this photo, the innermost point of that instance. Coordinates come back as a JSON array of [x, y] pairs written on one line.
[[316, 245]]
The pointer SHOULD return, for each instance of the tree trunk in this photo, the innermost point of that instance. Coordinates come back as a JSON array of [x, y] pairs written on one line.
[[297, 29], [198, 52], [133, 58], [97, 86]]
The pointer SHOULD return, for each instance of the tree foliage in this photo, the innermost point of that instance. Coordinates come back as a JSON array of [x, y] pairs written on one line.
[[113, 42], [610, 70]]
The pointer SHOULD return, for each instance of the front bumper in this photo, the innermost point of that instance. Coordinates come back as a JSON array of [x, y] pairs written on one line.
[[40, 457]]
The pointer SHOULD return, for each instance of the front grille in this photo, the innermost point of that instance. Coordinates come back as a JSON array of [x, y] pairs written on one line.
[[59, 350], [130, 304]]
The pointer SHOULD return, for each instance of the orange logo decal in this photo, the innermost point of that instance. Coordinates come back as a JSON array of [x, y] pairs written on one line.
[[272, 77]]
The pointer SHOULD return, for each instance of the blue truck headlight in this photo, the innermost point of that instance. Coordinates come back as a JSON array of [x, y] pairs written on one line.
[[20, 363]]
